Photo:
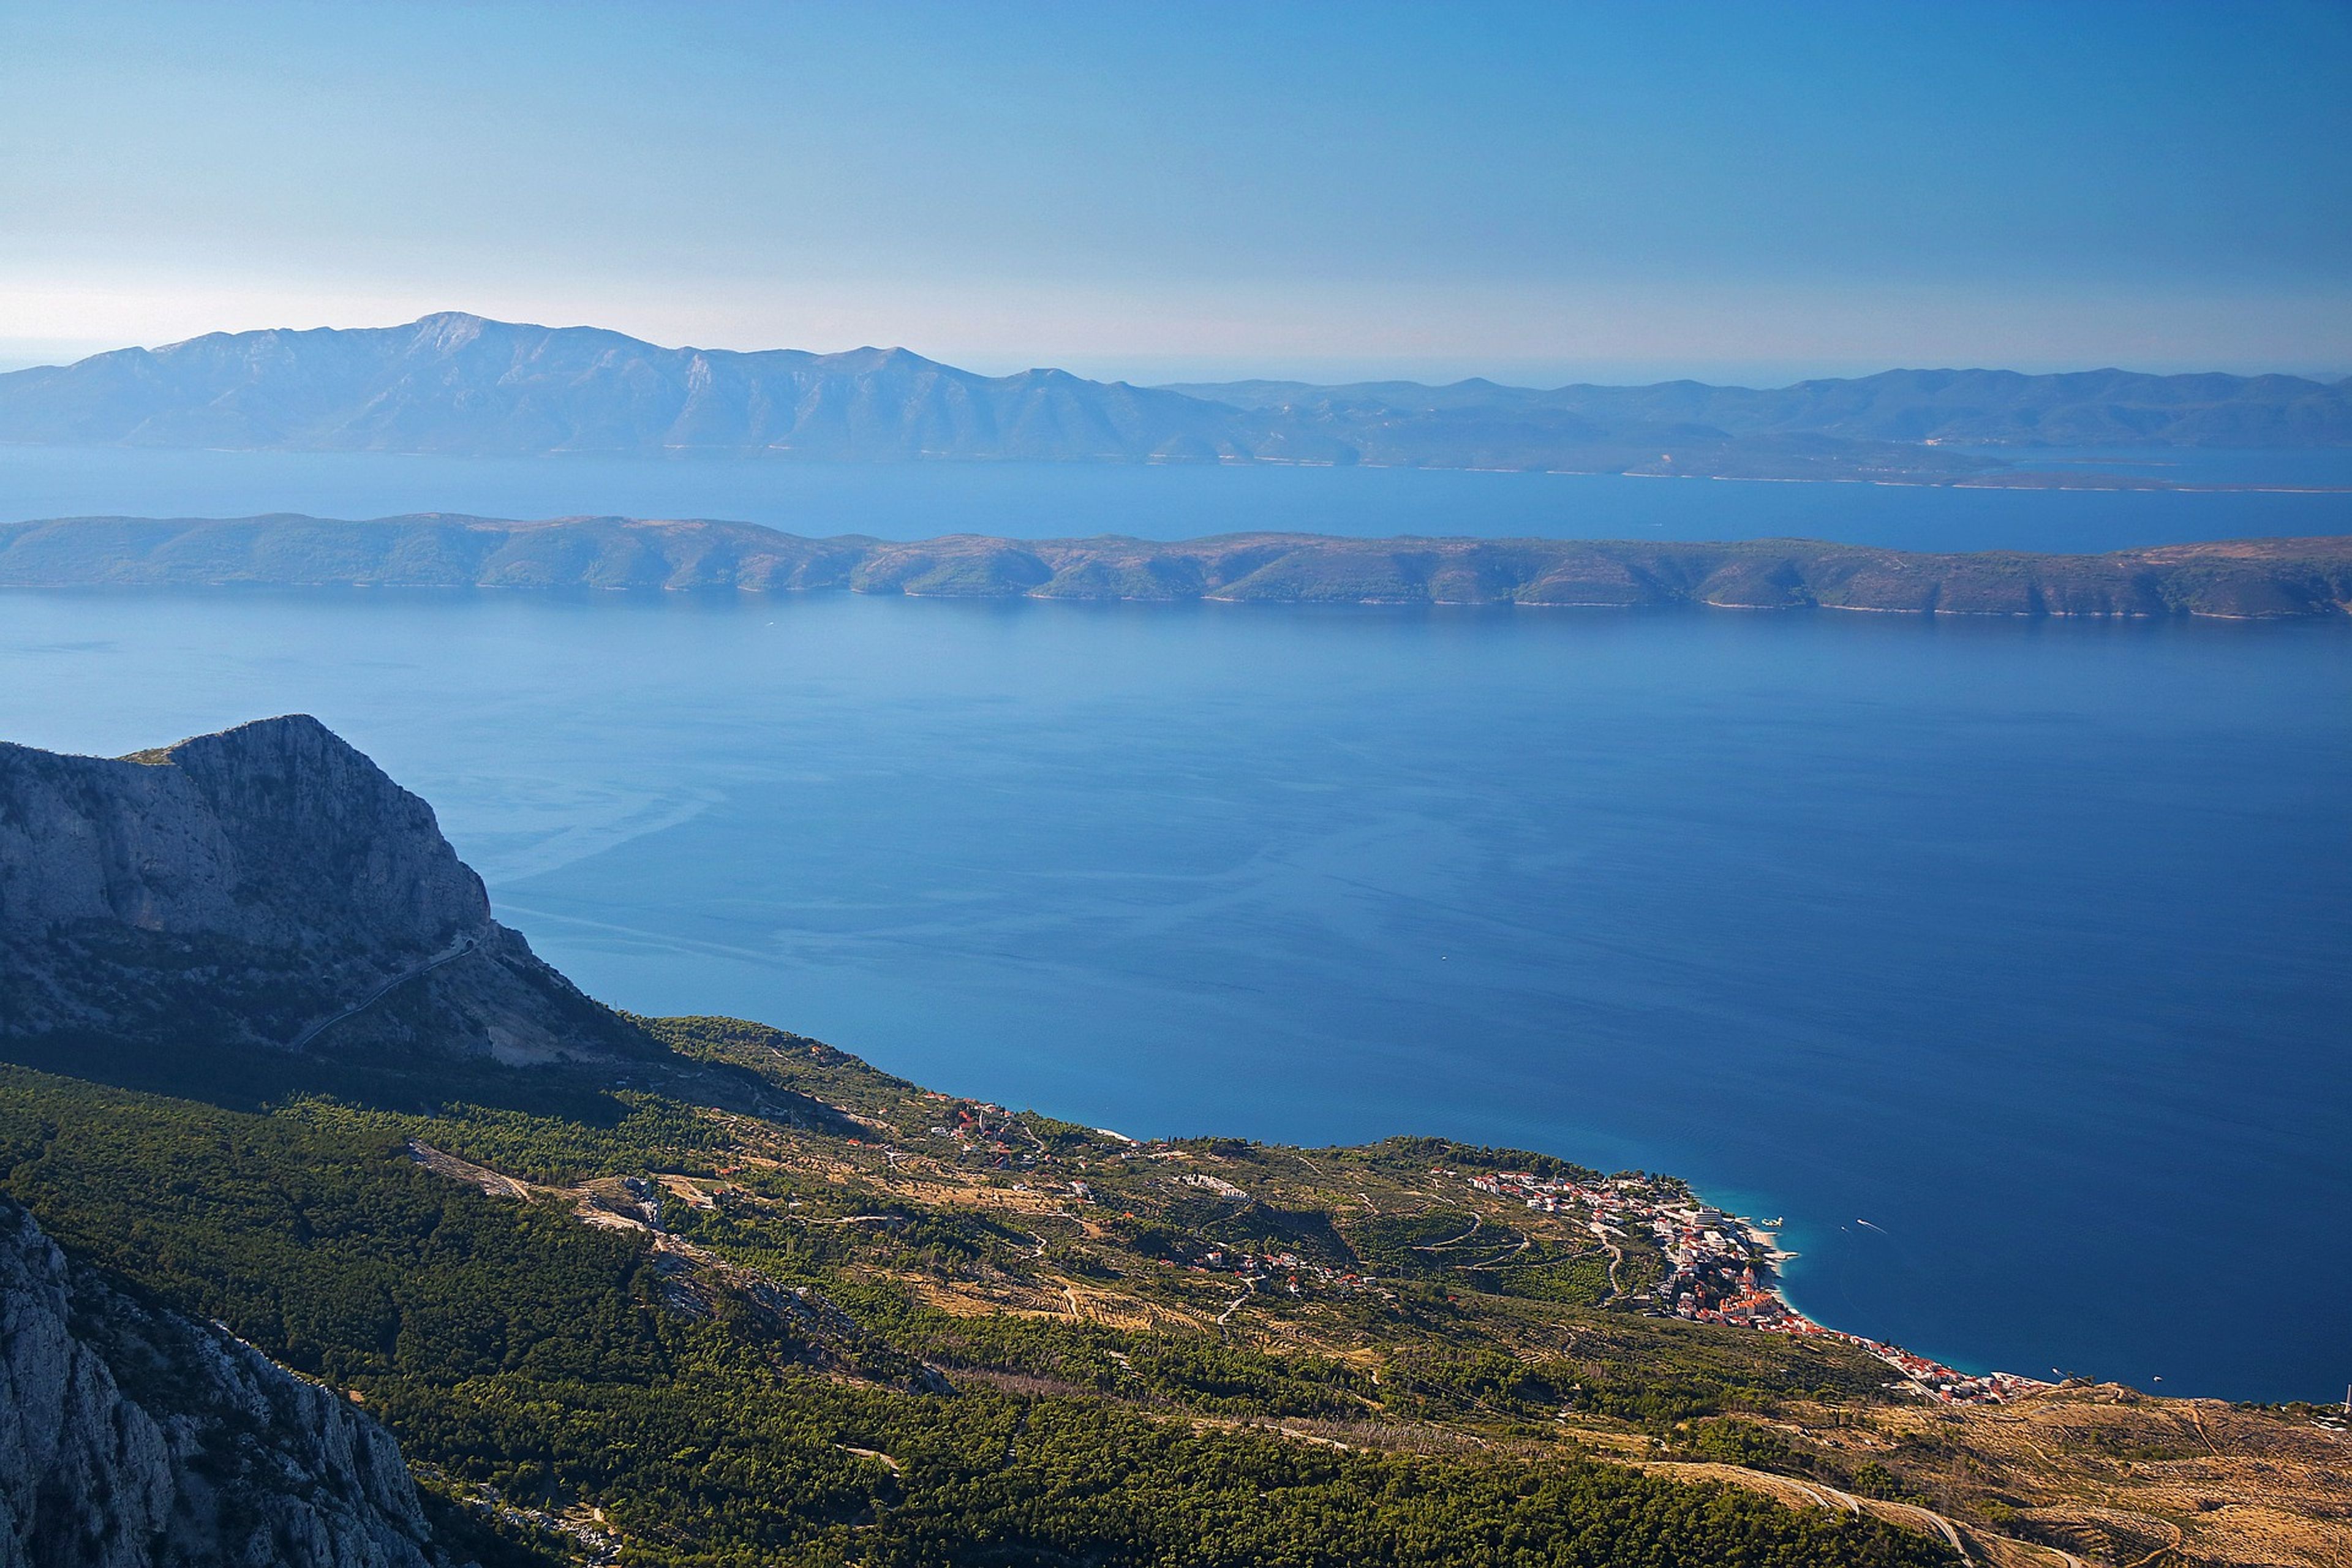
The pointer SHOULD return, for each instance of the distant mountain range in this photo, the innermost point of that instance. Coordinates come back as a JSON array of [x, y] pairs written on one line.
[[1973, 407], [461, 386], [2251, 579]]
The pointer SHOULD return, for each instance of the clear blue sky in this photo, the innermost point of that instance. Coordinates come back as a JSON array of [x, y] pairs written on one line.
[[1746, 191]]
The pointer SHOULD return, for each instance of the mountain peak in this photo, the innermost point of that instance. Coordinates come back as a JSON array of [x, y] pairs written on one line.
[[263, 885], [451, 329], [280, 734], [459, 384]]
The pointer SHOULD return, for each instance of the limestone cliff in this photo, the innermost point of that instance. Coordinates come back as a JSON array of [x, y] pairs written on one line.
[[269, 886], [130, 1436]]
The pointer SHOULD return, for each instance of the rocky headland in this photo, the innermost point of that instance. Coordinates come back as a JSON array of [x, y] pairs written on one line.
[[267, 886]]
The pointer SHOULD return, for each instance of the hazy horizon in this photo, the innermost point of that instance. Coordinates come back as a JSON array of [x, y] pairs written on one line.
[[1538, 195], [20, 355]]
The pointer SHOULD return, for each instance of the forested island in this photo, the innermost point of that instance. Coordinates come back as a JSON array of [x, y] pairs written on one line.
[[2243, 579]]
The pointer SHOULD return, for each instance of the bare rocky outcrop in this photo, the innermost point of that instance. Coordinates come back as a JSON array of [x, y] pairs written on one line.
[[131, 1437], [265, 886]]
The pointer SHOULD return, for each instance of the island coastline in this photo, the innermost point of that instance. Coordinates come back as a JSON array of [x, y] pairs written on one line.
[[2260, 579]]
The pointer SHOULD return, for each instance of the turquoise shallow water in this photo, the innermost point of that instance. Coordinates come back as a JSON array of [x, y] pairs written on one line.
[[2029, 943]]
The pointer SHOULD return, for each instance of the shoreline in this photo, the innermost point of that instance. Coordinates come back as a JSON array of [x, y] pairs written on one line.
[[1724, 1267], [2005, 474], [2293, 577]]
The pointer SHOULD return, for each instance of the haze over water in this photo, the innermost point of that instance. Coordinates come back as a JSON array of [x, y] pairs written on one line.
[[2031, 944], [1042, 500]]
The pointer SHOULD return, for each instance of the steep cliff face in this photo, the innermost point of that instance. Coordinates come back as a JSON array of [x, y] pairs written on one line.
[[131, 1437], [267, 885]]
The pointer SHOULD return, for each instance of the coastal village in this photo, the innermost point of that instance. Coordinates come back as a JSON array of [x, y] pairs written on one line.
[[1354, 1255], [1721, 1269]]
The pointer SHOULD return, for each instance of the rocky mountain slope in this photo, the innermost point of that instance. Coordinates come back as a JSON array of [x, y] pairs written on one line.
[[131, 1437], [267, 886], [459, 384], [2241, 578]]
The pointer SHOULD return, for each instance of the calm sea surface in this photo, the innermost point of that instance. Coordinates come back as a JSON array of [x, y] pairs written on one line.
[[1029, 500], [2031, 944]]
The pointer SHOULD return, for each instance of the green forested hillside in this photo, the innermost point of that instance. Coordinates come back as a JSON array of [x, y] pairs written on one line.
[[618, 1387]]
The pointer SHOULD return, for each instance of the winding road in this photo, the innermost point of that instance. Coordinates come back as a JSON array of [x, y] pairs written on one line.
[[1249, 1288], [1834, 1500], [459, 949]]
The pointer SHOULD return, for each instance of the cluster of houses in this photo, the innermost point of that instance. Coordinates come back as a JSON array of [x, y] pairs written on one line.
[[1281, 1270], [982, 1129], [1719, 1268]]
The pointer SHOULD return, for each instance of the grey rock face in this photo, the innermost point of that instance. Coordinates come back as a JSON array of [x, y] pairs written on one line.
[[268, 833], [252, 887], [130, 1436]]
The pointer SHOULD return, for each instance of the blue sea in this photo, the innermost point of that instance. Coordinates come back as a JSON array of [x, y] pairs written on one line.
[[1030, 500], [2028, 943]]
